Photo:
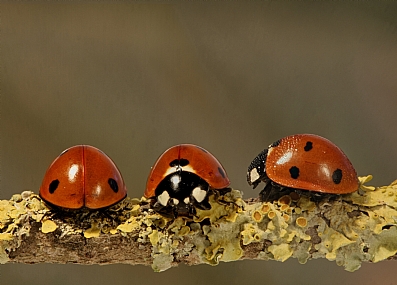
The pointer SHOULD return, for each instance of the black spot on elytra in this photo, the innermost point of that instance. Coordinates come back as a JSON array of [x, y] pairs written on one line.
[[221, 172], [308, 146], [174, 163], [337, 176], [179, 162], [294, 171], [276, 143], [113, 184], [53, 186], [183, 162]]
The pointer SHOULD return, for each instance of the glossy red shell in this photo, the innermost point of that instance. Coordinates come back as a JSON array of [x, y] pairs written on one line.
[[201, 163], [322, 166], [83, 176]]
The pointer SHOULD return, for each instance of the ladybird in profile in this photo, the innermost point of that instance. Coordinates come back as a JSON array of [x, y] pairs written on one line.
[[306, 162], [182, 178], [82, 176]]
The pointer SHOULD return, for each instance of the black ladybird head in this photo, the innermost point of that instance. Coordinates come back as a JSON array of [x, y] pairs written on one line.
[[180, 192], [256, 170]]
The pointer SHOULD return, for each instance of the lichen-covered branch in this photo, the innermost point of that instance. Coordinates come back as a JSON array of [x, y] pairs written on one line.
[[348, 229]]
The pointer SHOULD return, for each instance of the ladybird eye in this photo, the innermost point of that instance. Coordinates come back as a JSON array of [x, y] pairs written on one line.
[[294, 171], [337, 176], [308, 146], [53, 186], [113, 184]]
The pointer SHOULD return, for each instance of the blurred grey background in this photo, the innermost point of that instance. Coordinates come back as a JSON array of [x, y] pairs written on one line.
[[136, 78]]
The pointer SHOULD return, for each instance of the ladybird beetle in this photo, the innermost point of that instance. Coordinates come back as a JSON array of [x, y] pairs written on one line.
[[83, 176], [304, 161], [181, 179]]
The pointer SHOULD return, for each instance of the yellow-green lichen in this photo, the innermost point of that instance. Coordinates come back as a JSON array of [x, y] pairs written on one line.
[[331, 241], [285, 200], [225, 239], [6, 236], [3, 255], [257, 216], [161, 262], [383, 245], [92, 232], [281, 252], [154, 237], [128, 226], [48, 226], [252, 233], [226, 206], [305, 204], [265, 208], [301, 251], [301, 221]]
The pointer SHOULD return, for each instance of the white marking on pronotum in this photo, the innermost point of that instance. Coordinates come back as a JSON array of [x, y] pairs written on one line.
[[186, 200], [199, 194], [254, 175], [175, 201], [163, 198], [175, 181]]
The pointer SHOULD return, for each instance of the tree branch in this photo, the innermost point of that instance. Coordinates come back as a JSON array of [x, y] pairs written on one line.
[[349, 229]]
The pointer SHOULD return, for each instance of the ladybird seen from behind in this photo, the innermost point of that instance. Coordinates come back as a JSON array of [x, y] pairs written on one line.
[[83, 176], [306, 162], [182, 178]]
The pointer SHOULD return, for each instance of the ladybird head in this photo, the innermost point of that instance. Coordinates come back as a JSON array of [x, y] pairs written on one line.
[[181, 179], [256, 170], [180, 192]]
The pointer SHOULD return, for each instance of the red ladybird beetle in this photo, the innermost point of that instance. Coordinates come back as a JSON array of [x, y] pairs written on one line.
[[181, 179], [304, 161], [83, 176]]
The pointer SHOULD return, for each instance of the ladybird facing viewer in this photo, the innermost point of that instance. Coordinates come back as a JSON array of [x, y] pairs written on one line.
[[82, 176], [181, 179], [304, 161]]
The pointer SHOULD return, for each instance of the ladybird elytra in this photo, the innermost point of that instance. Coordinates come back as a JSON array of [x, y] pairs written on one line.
[[305, 161], [83, 176]]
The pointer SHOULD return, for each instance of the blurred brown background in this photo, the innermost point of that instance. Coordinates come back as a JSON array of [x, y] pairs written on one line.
[[136, 78]]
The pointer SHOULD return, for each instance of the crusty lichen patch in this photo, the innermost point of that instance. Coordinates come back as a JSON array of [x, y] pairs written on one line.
[[347, 229], [13, 214], [48, 226], [340, 228]]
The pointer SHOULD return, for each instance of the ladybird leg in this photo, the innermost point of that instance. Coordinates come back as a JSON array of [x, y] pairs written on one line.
[[203, 205], [164, 211], [221, 192], [193, 212], [264, 195]]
